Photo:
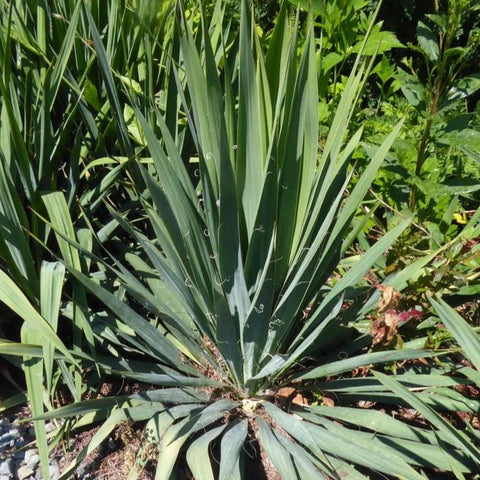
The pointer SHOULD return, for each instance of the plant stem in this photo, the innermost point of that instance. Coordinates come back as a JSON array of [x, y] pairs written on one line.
[[423, 143], [444, 44]]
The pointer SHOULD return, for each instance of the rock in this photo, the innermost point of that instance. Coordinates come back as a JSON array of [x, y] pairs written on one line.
[[54, 472], [50, 427], [4, 425], [32, 458], [19, 455], [80, 470], [9, 438], [24, 472], [6, 469]]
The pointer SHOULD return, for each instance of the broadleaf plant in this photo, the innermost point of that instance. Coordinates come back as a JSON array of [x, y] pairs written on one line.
[[230, 301]]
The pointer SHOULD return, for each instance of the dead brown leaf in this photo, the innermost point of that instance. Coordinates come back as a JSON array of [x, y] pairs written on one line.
[[389, 299], [385, 328]]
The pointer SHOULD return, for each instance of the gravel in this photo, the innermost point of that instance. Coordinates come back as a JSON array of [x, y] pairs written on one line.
[[18, 460]]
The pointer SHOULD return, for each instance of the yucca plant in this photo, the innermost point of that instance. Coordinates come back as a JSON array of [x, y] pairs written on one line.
[[230, 300]]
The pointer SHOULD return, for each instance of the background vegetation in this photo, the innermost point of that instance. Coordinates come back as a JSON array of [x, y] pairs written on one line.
[[264, 216]]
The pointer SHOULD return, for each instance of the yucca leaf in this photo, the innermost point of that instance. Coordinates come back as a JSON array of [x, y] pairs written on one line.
[[409, 379], [463, 333], [198, 454], [309, 467], [153, 374], [448, 432], [280, 456], [375, 421], [373, 358], [220, 199], [52, 276], [447, 399], [33, 368], [415, 452], [186, 395], [298, 157], [347, 446], [159, 344], [177, 434], [252, 128], [308, 335], [366, 179], [12, 296], [111, 90], [472, 374], [276, 58], [231, 451]]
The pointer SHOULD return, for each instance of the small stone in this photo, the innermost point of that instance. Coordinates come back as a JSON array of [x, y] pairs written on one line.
[[32, 458], [14, 432], [9, 438], [80, 470], [6, 469], [4, 425], [54, 472], [50, 427], [19, 456], [24, 472]]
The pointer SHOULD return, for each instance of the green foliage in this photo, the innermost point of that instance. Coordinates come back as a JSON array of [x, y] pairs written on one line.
[[435, 164], [345, 28]]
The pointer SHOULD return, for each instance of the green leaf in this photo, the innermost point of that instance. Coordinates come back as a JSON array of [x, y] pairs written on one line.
[[52, 275], [373, 358], [345, 444], [15, 249], [448, 432], [378, 42], [279, 455], [12, 296], [33, 368], [198, 454], [106, 72], [464, 138], [56, 74], [177, 434], [463, 333], [427, 41], [13, 401], [464, 87], [231, 451]]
